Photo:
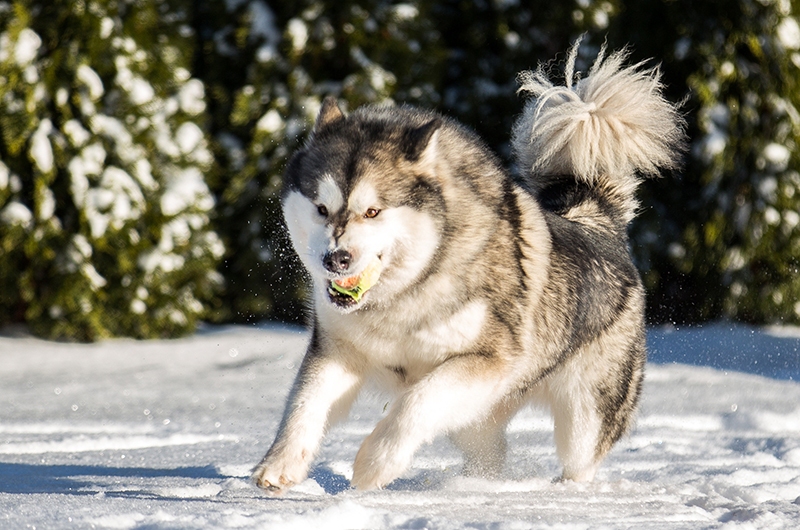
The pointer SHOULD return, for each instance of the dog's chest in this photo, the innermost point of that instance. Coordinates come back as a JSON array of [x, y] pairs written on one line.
[[408, 344]]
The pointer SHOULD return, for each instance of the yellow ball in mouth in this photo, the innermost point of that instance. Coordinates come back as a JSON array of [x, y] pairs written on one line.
[[356, 286]]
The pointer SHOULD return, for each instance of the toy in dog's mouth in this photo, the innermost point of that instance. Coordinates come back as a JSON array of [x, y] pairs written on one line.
[[347, 292]]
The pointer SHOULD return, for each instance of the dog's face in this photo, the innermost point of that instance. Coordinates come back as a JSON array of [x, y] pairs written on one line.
[[360, 202]]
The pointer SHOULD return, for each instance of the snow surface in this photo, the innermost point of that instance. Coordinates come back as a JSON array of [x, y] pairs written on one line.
[[163, 434]]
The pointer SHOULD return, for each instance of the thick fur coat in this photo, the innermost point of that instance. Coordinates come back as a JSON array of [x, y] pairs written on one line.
[[492, 293]]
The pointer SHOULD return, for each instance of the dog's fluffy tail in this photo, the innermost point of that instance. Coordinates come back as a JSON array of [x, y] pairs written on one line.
[[604, 130]]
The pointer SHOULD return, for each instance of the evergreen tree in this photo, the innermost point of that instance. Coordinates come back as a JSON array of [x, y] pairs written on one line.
[[124, 124], [723, 239], [104, 211]]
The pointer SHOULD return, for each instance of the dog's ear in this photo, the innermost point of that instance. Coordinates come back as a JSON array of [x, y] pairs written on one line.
[[419, 141], [328, 114]]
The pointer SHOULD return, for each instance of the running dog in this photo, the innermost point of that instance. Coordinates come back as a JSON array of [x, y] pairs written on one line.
[[469, 294]]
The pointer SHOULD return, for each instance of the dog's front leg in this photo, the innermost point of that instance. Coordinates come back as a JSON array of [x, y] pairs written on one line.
[[459, 392], [323, 392]]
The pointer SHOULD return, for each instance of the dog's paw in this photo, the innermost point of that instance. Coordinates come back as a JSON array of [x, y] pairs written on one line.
[[371, 477], [378, 463], [583, 474], [276, 476]]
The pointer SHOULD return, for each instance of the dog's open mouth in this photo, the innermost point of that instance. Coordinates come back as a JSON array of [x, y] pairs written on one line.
[[347, 292]]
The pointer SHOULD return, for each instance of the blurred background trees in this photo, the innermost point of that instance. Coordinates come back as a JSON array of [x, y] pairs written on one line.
[[143, 143], [104, 207]]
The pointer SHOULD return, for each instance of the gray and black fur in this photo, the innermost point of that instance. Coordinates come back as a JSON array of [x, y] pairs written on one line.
[[525, 293]]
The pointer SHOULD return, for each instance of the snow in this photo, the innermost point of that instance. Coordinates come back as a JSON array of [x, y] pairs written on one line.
[[27, 46], [405, 12], [188, 137], [140, 90], [41, 150], [4, 175], [175, 232], [185, 189], [715, 122], [298, 34], [77, 135], [788, 32], [162, 434], [191, 97], [156, 259], [163, 136], [116, 200], [16, 213], [106, 27], [79, 251], [734, 260], [115, 130], [713, 144], [47, 204], [31, 76], [96, 281], [772, 216], [94, 158], [600, 19], [138, 306], [777, 155], [143, 171], [129, 201], [791, 218], [270, 123], [91, 80], [378, 77]]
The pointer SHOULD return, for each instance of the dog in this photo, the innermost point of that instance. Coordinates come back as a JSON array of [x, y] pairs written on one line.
[[468, 293]]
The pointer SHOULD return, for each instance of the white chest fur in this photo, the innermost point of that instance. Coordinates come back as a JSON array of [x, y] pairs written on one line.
[[416, 344]]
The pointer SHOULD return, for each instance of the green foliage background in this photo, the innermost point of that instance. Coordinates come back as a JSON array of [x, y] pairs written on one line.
[[159, 207], [104, 209]]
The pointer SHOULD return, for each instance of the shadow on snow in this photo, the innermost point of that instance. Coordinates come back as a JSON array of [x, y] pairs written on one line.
[[770, 352], [69, 479], [334, 483]]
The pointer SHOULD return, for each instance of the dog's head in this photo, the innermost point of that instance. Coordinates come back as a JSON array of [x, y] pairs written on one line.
[[362, 200]]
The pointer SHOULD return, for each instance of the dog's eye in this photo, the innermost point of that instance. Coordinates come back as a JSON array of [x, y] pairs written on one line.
[[322, 210], [371, 212]]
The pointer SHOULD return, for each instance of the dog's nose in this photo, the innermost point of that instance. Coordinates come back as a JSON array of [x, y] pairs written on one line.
[[337, 261]]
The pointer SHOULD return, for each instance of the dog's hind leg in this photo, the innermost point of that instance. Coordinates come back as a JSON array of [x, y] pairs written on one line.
[[484, 443], [576, 425], [593, 399]]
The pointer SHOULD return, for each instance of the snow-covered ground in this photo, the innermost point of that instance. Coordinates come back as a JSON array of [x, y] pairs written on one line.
[[162, 434]]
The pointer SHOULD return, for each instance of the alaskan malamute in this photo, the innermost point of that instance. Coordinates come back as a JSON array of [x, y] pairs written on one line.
[[469, 294]]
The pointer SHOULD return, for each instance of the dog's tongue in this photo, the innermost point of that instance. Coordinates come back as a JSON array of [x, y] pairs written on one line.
[[356, 286]]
